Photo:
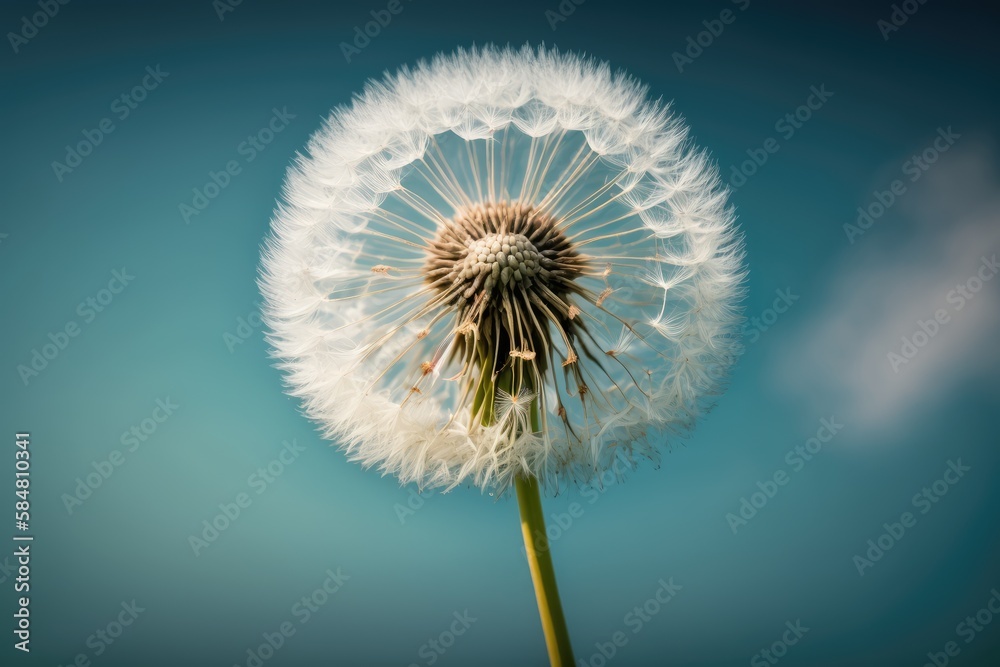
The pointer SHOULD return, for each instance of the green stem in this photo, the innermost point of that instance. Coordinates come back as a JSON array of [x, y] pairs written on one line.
[[529, 500], [543, 575]]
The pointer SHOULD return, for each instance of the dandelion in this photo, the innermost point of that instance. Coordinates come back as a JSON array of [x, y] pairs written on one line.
[[504, 268]]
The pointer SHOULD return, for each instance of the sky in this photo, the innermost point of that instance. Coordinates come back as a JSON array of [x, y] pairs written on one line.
[[836, 507]]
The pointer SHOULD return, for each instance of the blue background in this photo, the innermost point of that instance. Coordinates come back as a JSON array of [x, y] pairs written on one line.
[[170, 334]]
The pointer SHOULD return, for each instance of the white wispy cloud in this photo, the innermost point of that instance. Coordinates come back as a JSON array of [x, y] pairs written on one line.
[[887, 282]]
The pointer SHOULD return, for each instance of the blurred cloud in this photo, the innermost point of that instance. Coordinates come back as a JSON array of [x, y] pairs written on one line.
[[906, 268]]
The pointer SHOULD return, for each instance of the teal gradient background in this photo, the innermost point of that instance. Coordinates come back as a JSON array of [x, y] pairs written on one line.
[[172, 334]]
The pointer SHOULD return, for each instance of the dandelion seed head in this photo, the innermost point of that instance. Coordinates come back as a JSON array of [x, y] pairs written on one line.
[[500, 263], [493, 246]]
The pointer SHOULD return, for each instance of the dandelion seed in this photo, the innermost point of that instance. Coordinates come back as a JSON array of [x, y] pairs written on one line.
[[514, 406], [506, 232], [508, 194]]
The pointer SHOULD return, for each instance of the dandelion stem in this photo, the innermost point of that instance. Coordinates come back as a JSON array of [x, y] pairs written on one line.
[[536, 548], [490, 383], [536, 544]]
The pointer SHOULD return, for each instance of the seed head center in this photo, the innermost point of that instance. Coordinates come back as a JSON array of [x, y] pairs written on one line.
[[504, 260], [509, 274], [495, 251]]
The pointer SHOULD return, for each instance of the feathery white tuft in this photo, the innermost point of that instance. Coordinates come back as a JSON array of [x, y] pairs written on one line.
[[369, 346]]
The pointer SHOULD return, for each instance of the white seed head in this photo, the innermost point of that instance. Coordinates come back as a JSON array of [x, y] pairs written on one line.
[[501, 263]]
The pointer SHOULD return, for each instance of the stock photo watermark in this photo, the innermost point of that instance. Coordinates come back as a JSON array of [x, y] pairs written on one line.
[[924, 501], [786, 127], [779, 648], [87, 310], [31, 24], [259, 481], [898, 17], [635, 620], [246, 152], [558, 524], [302, 611], [913, 169], [796, 459], [758, 324], [435, 647], [967, 630], [415, 501], [562, 12], [246, 326], [22, 552], [121, 108], [223, 7], [364, 34], [926, 330], [696, 44], [104, 637], [23, 614], [7, 569], [131, 440]]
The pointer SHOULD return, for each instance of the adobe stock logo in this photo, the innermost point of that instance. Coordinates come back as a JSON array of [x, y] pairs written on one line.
[[121, 108], [900, 14], [303, 610], [31, 25], [696, 44], [223, 7], [924, 500], [363, 35], [230, 511], [779, 649], [968, 629], [786, 127], [926, 330], [758, 324], [796, 458], [913, 168], [635, 620], [246, 152], [131, 441], [565, 10], [246, 326], [105, 636], [87, 310], [414, 502], [436, 647]]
